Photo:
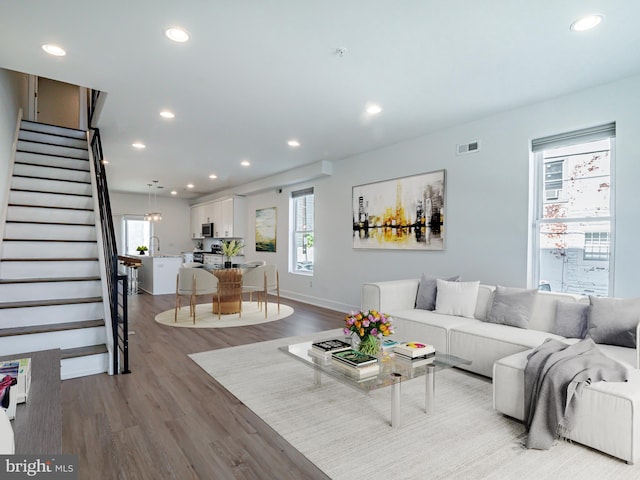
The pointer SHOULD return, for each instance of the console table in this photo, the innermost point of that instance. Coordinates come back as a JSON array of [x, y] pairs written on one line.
[[37, 427]]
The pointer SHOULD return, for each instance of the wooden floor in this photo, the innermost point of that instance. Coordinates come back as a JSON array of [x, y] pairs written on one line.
[[169, 419]]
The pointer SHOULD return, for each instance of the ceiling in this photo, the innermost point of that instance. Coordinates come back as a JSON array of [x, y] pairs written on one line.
[[257, 73]]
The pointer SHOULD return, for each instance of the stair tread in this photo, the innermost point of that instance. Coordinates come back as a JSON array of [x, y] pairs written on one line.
[[30, 122], [55, 327], [52, 223], [52, 166], [49, 192], [35, 177], [47, 240], [9, 281], [83, 351], [39, 259], [50, 303], [26, 205], [20, 150]]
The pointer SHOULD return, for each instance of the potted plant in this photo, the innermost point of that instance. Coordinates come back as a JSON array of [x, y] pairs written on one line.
[[142, 249], [230, 248]]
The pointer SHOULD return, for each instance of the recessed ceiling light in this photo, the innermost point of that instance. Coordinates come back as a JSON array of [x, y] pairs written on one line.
[[173, 192], [586, 23], [138, 145], [177, 34], [190, 185], [167, 114], [374, 109], [293, 143], [245, 163], [213, 176], [54, 50]]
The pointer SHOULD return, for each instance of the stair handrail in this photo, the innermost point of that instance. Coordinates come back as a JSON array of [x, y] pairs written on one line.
[[116, 282]]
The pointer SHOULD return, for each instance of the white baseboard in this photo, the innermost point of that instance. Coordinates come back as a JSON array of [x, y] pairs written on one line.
[[319, 302]]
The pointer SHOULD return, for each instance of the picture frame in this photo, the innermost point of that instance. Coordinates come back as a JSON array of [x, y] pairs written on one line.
[[266, 220], [405, 213]]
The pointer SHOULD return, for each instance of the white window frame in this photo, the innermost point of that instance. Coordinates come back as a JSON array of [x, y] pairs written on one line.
[[125, 232], [537, 192], [293, 260]]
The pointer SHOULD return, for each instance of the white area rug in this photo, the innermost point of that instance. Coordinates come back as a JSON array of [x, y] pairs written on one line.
[[347, 433], [251, 315]]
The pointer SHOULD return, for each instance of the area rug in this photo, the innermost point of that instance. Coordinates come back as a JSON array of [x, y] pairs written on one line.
[[347, 433], [251, 315]]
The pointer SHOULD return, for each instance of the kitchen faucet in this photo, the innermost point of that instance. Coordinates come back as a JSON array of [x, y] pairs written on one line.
[[151, 244]]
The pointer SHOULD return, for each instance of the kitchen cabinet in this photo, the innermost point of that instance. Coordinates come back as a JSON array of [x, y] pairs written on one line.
[[208, 212], [230, 217], [157, 275], [197, 219]]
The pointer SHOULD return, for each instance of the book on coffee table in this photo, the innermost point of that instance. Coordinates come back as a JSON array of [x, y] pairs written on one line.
[[333, 345], [354, 358], [357, 373], [415, 350]]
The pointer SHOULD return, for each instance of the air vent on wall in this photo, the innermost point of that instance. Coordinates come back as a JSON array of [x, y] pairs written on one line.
[[464, 148]]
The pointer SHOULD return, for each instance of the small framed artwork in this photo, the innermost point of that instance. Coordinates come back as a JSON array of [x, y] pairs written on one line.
[[406, 213], [266, 229]]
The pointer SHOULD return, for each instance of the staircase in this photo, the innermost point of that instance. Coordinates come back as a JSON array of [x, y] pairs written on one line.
[[51, 292]]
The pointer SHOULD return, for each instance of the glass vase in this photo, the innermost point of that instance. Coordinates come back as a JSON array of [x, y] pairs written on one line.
[[369, 345]]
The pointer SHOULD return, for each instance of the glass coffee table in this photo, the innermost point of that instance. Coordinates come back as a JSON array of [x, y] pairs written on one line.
[[393, 371]]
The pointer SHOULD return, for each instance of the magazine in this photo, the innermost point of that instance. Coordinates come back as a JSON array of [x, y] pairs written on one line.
[[354, 358], [333, 345]]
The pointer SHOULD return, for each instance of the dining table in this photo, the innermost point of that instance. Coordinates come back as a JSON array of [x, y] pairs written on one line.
[[229, 287]]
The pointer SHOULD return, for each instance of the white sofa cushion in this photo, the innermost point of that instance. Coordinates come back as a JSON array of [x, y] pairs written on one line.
[[457, 298]]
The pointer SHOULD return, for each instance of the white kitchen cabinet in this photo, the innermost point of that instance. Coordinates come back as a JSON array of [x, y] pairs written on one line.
[[208, 213], [197, 219], [231, 217], [157, 275]]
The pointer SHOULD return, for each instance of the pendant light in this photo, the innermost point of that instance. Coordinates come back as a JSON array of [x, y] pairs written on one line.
[[153, 215]]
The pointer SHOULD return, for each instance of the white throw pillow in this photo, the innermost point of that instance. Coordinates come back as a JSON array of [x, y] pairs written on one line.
[[457, 298]]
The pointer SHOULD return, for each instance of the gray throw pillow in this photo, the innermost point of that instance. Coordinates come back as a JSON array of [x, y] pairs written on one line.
[[613, 321], [428, 290], [512, 306], [572, 319]]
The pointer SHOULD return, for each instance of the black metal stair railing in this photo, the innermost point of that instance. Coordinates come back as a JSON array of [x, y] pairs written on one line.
[[117, 283]]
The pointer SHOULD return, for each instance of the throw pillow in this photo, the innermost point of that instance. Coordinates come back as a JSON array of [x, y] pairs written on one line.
[[427, 290], [613, 321], [572, 319], [457, 298], [512, 306]]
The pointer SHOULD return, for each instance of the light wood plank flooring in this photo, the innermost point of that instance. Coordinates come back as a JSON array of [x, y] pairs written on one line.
[[170, 420]]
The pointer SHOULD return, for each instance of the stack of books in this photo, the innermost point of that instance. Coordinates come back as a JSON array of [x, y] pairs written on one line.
[[415, 352], [355, 364], [323, 350]]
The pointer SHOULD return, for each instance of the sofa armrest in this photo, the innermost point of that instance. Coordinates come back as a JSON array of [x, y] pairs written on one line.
[[391, 296]]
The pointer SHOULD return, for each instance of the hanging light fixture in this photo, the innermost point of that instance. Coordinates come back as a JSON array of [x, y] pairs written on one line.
[[153, 215]]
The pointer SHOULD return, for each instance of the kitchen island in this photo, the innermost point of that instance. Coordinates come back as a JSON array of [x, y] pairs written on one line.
[[157, 275]]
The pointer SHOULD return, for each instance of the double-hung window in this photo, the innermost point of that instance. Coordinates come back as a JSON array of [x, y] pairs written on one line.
[[137, 232], [302, 232], [573, 215]]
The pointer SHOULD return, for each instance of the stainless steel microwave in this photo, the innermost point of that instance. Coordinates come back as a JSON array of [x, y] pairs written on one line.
[[207, 229]]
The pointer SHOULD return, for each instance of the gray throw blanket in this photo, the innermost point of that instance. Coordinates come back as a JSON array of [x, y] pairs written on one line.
[[553, 381]]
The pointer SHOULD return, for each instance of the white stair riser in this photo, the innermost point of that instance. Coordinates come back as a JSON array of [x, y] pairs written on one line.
[[52, 269], [48, 250], [29, 316], [51, 199], [49, 232], [81, 337], [41, 127], [41, 185], [52, 150], [52, 139], [52, 173], [25, 292], [52, 161], [53, 215], [82, 366]]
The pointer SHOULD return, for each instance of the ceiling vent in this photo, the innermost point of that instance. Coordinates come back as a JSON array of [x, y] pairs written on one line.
[[465, 148]]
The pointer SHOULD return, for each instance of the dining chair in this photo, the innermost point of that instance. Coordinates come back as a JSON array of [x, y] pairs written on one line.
[[204, 283], [253, 281], [184, 286], [271, 284]]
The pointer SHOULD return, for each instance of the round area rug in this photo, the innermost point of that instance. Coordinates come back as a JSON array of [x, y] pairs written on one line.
[[251, 315]]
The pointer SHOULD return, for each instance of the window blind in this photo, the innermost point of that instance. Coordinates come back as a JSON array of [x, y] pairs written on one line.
[[585, 135]]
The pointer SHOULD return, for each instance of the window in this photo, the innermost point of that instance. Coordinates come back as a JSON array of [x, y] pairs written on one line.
[[137, 231], [302, 231], [573, 212]]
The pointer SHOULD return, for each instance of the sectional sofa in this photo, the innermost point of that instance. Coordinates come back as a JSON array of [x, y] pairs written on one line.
[[497, 327]]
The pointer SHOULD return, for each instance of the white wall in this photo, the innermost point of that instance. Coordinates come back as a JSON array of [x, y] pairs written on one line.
[[174, 230], [11, 84], [487, 201]]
